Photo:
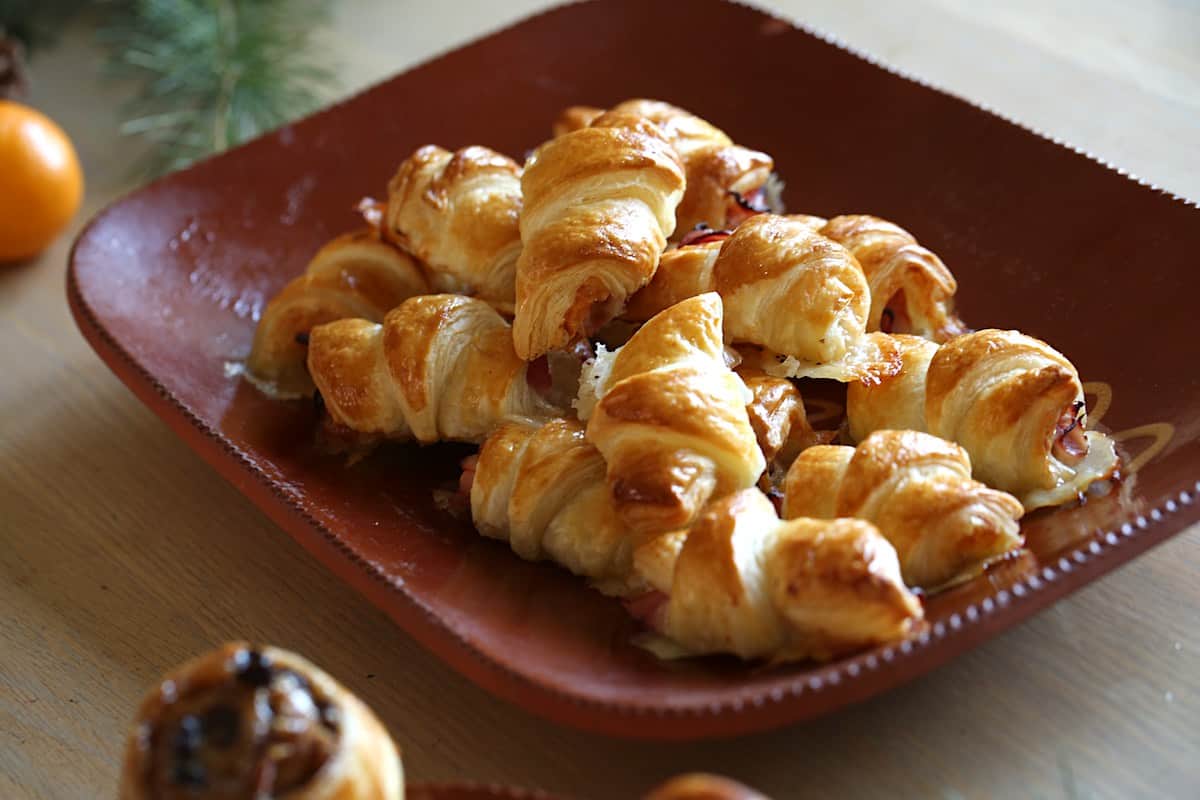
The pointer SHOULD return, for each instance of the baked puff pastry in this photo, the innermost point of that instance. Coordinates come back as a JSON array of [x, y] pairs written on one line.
[[780, 422], [599, 206], [355, 275], [1013, 402], [669, 417], [912, 291], [542, 488], [785, 288], [458, 212], [257, 722], [725, 182], [917, 489], [703, 786], [440, 367], [742, 581]]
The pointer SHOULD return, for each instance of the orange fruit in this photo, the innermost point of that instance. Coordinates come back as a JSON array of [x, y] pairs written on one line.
[[41, 182]]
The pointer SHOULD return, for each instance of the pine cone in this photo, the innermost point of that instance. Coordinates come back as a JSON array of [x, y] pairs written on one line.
[[13, 81]]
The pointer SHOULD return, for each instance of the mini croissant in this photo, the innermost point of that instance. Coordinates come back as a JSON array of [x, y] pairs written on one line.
[[742, 581], [780, 422], [355, 275], [251, 722], [912, 291], [440, 367], [917, 489], [786, 288], [542, 489], [670, 419], [725, 183], [599, 206], [458, 213], [1014, 403]]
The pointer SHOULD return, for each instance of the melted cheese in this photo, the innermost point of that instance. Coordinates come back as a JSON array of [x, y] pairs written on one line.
[[1100, 463]]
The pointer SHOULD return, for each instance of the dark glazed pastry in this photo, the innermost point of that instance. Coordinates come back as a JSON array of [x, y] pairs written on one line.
[[247, 723]]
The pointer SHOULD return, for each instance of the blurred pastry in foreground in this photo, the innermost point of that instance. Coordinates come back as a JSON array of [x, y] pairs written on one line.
[[246, 723], [703, 786]]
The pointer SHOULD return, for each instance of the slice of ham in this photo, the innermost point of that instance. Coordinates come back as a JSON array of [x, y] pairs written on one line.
[[537, 374], [1070, 439], [467, 479], [649, 608], [703, 234], [743, 206], [895, 317]]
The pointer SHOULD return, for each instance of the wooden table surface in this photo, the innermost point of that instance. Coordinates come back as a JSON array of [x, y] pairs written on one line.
[[121, 553]]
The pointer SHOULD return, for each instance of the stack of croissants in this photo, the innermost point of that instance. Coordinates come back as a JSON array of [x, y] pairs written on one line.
[[621, 326], [246, 722]]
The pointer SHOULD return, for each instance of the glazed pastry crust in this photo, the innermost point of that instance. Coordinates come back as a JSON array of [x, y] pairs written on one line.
[[458, 213], [671, 420], [714, 165], [894, 262], [779, 420], [354, 275], [917, 489], [599, 206], [895, 401], [786, 288], [440, 367], [365, 764], [542, 489], [999, 394], [747, 583]]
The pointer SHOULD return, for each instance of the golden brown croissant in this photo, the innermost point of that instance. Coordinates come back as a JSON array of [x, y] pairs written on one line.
[[439, 367], [542, 489], [786, 288], [725, 183], [458, 212], [247, 722], [355, 275], [742, 581], [1013, 402], [912, 291], [917, 489], [702, 786], [599, 206], [777, 414], [670, 418]]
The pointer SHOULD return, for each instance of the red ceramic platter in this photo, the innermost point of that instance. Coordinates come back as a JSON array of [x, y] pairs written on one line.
[[167, 284]]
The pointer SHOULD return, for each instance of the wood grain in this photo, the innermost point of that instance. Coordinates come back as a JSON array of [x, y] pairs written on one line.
[[122, 554]]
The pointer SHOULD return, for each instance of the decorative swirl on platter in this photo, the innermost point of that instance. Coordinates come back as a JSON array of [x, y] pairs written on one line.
[[1161, 433]]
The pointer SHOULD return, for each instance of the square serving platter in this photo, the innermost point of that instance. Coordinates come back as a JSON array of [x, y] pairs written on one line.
[[167, 284]]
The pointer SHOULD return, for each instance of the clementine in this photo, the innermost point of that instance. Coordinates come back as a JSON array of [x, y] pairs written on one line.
[[41, 182]]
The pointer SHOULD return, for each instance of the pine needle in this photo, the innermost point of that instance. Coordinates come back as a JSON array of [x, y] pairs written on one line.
[[214, 73]]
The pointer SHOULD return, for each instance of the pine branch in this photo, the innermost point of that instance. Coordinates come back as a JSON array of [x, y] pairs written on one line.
[[214, 73]]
